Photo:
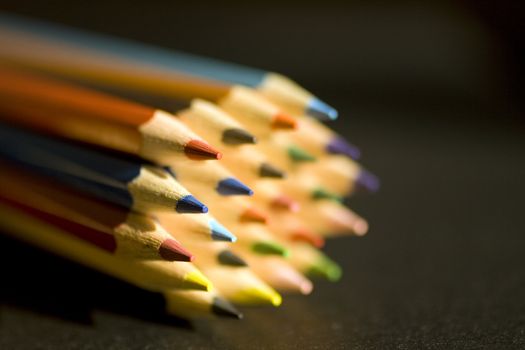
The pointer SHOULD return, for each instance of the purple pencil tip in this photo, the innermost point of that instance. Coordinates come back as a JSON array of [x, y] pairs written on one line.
[[366, 182], [339, 145]]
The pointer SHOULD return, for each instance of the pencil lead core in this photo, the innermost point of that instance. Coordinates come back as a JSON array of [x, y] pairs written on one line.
[[227, 257], [237, 137], [254, 215], [172, 250], [338, 145], [200, 150], [221, 307], [268, 170], [221, 233], [284, 121], [320, 110], [298, 154], [190, 204], [233, 187]]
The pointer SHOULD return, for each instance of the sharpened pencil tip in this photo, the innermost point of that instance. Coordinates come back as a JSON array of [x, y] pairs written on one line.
[[190, 204], [268, 170], [200, 150], [233, 187], [366, 181], [220, 233], [222, 307], [320, 110], [321, 193], [227, 257], [297, 154], [284, 121], [269, 248], [258, 296], [238, 137], [172, 250], [196, 280], [327, 269], [304, 235], [286, 203], [254, 215], [338, 145]]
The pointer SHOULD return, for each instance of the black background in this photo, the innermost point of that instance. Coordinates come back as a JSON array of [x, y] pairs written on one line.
[[431, 92]]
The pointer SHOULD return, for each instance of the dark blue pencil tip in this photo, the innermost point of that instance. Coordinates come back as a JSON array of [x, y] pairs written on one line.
[[233, 187], [338, 145], [321, 110], [190, 204], [367, 182], [221, 233]]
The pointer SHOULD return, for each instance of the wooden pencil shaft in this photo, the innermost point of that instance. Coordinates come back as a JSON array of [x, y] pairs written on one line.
[[151, 275]]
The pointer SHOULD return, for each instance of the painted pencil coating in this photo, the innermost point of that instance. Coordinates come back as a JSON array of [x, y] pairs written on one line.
[[121, 181]]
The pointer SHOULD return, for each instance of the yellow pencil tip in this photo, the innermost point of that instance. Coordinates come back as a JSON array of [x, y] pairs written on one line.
[[259, 295], [196, 280]]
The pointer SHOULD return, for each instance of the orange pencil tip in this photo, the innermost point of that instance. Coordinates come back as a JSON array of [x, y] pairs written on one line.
[[304, 235], [284, 121], [286, 203], [200, 150], [254, 215]]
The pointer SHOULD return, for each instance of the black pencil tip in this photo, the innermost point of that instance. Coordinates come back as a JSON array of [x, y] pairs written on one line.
[[221, 307], [227, 257], [267, 170], [237, 137]]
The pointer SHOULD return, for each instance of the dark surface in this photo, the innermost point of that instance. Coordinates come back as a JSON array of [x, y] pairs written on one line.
[[428, 93]]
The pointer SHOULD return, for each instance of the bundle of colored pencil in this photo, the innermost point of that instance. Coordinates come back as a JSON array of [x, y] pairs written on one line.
[[91, 172]]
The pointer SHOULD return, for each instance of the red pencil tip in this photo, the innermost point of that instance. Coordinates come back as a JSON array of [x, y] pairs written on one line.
[[254, 215], [283, 121], [172, 250], [286, 203], [200, 150], [305, 235]]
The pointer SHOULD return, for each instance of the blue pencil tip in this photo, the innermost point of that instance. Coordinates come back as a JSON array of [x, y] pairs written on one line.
[[190, 204], [221, 233], [233, 187], [321, 110]]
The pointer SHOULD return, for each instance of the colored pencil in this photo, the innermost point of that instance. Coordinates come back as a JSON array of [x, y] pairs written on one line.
[[212, 253], [291, 227], [192, 304], [241, 286], [346, 176], [106, 226], [305, 188], [313, 262], [209, 175], [157, 135], [320, 140], [332, 219], [203, 225], [259, 240], [269, 195], [152, 275], [250, 165], [124, 182], [278, 273], [206, 119], [215, 78]]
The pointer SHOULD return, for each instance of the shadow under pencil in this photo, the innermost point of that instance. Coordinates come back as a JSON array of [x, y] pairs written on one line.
[[59, 288]]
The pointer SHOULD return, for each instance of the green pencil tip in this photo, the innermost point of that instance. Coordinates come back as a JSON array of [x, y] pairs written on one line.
[[297, 154], [270, 248], [321, 193], [326, 268]]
